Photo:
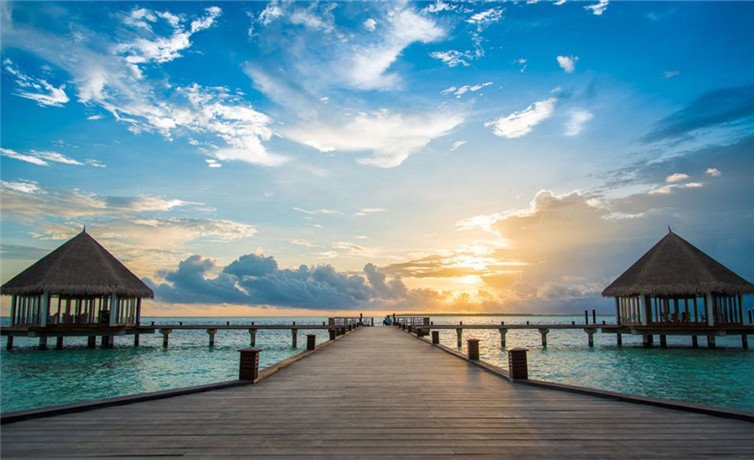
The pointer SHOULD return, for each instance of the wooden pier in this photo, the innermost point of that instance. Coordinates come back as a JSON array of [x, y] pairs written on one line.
[[381, 393]]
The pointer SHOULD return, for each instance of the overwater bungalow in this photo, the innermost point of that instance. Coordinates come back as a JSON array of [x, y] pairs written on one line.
[[676, 289], [79, 289]]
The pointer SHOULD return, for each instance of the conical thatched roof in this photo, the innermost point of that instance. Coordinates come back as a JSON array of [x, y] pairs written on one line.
[[80, 267], [675, 267]]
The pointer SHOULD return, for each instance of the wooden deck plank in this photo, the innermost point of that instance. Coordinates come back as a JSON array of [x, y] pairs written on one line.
[[380, 393]]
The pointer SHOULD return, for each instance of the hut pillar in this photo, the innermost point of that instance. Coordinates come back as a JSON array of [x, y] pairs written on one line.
[[644, 307], [709, 308], [12, 315], [44, 309]]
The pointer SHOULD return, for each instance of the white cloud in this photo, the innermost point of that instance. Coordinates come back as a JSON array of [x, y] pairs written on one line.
[[458, 92], [43, 158], [457, 145], [576, 121], [714, 172], [369, 64], [150, 47], [391, 137], [485, 18], [521, 123], [676, 177], [318, 212], [598, 8], [36, 89], [370, 25], [672, 73], [567, 63], [366, 211], [451, 58]]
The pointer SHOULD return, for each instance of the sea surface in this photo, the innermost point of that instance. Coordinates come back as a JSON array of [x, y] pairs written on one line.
[[30, 378]]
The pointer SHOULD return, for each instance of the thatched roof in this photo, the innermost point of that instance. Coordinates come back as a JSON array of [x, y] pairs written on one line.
[[675, 267], [80, 267]]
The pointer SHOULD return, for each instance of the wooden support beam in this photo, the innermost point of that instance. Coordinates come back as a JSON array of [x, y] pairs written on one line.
[[9, 343], [294, 338], [459, 333], [211, 333], [43, 342], [694, 341], [663, 341], [543, 332], [253, 334], [619, 339], [503, 333], [91, 341], [165, 336]]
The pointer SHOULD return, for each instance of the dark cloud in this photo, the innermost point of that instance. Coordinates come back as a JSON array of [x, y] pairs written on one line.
[[257, 280], [715, 108]]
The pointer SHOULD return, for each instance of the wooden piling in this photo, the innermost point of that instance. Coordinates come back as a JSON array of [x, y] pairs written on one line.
[[503, 333], [472, 345], [311, 341], [165, 336], [43, 342], [435, 337], [9, 343], [136, 340], [590, 336], [253, 340], [211, 333], [294, 338], [459, 333], [663, 341], [619, 339], [745, 341], [517, 365], [544, 331], [711, 341], [91, 341], [694, 341], [249, 364]]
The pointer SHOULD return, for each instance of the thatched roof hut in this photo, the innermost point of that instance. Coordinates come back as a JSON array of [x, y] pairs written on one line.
[[88, 282], [676, 267], [81, 266], [677, 283]]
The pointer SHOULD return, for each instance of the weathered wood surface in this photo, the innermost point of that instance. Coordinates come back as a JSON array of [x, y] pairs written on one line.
[[381, 393]]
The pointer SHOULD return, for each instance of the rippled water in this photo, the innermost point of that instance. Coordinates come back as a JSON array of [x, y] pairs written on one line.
[[31, 379]]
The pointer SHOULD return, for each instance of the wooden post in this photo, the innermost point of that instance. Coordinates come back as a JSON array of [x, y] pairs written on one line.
[[9, 343], [517, 365], [619, 339], [249, 364], [43, 342], [107, 341], [503, 333], [745, 341], [459, 333], [694, 341], [91, 342], [590, 334], [294, 338], [165, 334], [333, 333], [136, 340], [253, 334], [586, 316], [711, 341], [543, 331], [594, 316], [646, 340], [311, 341], [212, 333], [435, 337], [663, 341], [473, 349]]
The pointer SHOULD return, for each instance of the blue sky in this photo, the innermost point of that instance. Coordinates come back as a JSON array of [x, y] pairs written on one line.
[[295, 157]]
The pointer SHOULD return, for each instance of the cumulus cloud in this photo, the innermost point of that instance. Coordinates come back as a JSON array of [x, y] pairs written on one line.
[[521, 123], [370, 25], [567, 63], [714, 172], [676, 177], [255, 279]]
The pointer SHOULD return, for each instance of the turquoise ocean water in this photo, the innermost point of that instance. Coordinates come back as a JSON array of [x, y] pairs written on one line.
[[30, 378]]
